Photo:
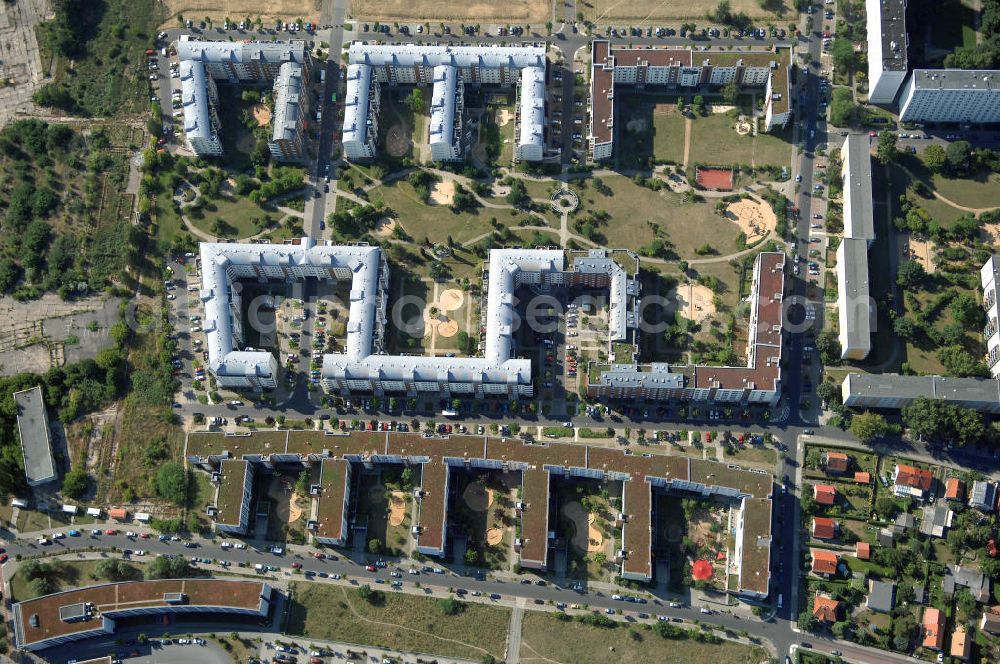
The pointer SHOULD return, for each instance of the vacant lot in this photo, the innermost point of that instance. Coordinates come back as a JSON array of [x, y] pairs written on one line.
[[267, 10], [401, 622], [534, 11], [544, 638], [603, 11], [714, 141]]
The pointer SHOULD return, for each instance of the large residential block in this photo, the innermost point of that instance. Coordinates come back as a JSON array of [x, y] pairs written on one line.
[[894, 392], [887, 43], [36, 437], [658, 69], [951, 95], [748, 492], [447, 69], [854, 306], [291, 114], [233, 488], [989, 277]]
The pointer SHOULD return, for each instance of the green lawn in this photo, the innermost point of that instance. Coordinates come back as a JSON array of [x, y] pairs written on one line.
[[668, 133], [686, 225], [69, 574], [232, 217], [545, 638], [715, 142], [401, 622], [982, 191], [435, 222]]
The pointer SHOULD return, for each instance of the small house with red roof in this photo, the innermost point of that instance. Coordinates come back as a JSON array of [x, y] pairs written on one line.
[[825, 494], [824, 528], [933, 629], [911, 481], [826, 609], [954, 489], [863, 551], [836, 463], [824, 563]]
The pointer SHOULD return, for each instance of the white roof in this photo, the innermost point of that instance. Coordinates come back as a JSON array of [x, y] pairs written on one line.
[[287, 103], [405, 55], [356, 102], [241, 52], [618, 310], [443, 104], [858, 215], [223, 358], [194, 97], [532, 106]]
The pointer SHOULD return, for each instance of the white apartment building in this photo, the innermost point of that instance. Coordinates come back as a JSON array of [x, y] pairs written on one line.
[[199, 99], [951, 95], [530, 128], [989, 277], [477, 66], [361, 112], [854, 307], [887, 43], [447, 106], [291, 108]]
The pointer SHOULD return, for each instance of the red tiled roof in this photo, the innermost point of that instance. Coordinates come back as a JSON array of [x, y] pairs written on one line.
[[933, 628], [826, 608], [953, 489], [961, 644], [864, 551], [837, 461], [912, 476], [824, 528], [825, 494], [863, 478], [824, 562]]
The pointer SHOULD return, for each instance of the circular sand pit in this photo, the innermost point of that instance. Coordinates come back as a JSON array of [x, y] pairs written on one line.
[[262, 114], [385, 227], [397, 508], [494, 536], [451, 299], [443, 193], [586, 537], [478, 497], [755, 219], [693, 301], [447, 328], [396, 142], [743, 128], [285, 500]]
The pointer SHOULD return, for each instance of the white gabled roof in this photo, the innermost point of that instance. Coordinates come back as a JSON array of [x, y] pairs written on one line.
[[194, 98], [532, 106], [443, 96], [356, 102], [241, 52], [407, 55], [288, 101]]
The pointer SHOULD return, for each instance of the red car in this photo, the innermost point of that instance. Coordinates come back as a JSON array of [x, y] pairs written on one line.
[[319, 556], [296, 565], [150, 51], [708, 437], [370, 568], [3, 559], [110, 531], [144, 536]]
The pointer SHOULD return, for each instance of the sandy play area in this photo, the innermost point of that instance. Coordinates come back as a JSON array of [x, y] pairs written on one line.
[[504, 116], [262, 114], [694, 301], [385, 227], [397, 508], [451, 299], [755, 219], [285, 500], [990, 233], [921, 251], [494, 536], [590, 539], [443, 193], [478, 497]]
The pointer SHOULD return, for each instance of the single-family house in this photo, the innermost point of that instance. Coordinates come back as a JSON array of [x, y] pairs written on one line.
[[977, 582], [881, 596], [911, 481], [936, 520], [954, 489], [836, 463], [983, 496], [863, 551], [991, 622], [961, 643], [862, 477], [824, 563], [826, 609], [825, 494], [824, 528], [932, 629]]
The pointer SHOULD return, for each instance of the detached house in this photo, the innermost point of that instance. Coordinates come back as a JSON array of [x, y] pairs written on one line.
[[933, 629], [983, 496], [961, 643], [825, 494], [881, 596], [911, 481], [826, 609], [824, 563], [824, 528], [836, 463]]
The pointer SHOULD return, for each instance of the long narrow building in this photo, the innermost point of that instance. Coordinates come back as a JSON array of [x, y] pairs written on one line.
[[854, 304], [361, 113], [951, 95], [642, 478], [616, 68], [291, 114], [887, 44], [447, 106]]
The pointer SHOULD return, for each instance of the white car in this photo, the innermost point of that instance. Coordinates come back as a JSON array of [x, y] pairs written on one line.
[[183, 642], [59, 536], [139, 553], [131, 534], [240, 545], [225, 545]]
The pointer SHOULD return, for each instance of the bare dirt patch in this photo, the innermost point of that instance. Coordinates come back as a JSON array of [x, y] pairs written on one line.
[[922, 251], [262, 114], [282, 492], [586, 536], [693, 301], [397, 508], [236, 10], [534, 11], [385, 227], [443, 193], [504, 116], [397, 143], [755, 219], [604, 11], [477, 497], [991, 233]]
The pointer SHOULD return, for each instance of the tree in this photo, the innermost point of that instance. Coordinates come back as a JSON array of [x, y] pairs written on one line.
[[887, 508], [959, 362], [967, 311], [958, 155], [934, 419], [829, 346], [518, 193], [910, 274], [699, 104], [451, 606], [843, 110], [680, 104], [905, 328], [886, 152], [114, 569], [75, 483], [415, 102], [934, 158], [471, 557], [375, 546], [730, 93], [842, 55], [168, 568], [829, 393], [868, 426], [171, 483]]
